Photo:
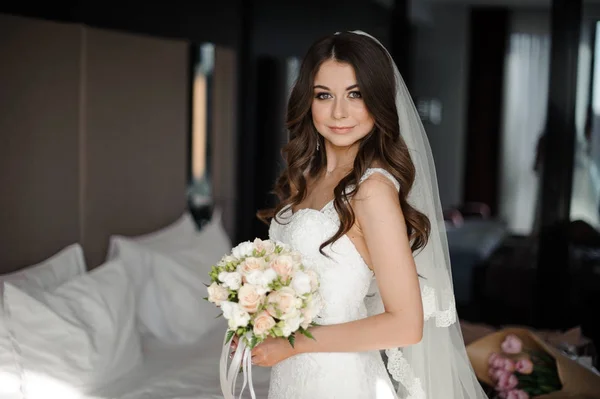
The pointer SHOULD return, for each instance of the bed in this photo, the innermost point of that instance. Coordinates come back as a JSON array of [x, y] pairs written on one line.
[[134, 327], [101, 265], [182, 372]]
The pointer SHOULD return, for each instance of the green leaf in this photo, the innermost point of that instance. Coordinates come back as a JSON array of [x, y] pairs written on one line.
[[230, 335], [205, 298], [277, 331], [307, 334], [253, 342], [219, 316], [292, 340]]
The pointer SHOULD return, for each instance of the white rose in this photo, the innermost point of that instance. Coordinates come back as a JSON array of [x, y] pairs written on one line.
[[291, 324], [267, 246], [217, 293], [268, 276], [243, 250], [283, 302], [283, 266], [313, 306], [231, 280], [235, 315], [250, 298], [301, 283], [314, 279], [263, 323], [227, 259], [261, 279], [251, 264]]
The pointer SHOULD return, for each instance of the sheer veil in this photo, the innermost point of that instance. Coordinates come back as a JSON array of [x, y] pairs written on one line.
[[438, 367]]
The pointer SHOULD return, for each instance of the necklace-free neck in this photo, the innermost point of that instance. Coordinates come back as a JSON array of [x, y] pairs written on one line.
[[330, 171]]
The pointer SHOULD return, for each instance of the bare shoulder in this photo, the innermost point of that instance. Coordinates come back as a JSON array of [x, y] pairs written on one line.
[[376, 188]]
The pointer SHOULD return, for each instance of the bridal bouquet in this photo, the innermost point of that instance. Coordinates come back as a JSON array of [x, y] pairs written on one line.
[[263, 290]]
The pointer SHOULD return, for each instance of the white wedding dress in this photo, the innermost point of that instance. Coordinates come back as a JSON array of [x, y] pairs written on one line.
[[345, 280]]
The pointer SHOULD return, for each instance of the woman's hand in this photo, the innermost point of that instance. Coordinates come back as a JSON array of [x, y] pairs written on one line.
[[272, 351], [234, 344]]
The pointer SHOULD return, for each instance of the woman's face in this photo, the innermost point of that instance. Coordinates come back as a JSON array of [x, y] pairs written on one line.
[[338, 110]]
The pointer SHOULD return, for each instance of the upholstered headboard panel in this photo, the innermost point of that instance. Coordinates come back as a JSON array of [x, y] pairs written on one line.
[[93, 128]]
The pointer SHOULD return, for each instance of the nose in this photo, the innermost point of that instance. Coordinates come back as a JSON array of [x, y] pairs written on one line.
[[340, 109]]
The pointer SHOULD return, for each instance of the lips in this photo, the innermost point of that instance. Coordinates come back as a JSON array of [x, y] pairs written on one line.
[[341, 129]]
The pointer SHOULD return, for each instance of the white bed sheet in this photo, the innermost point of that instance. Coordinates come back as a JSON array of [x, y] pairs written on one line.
[[181, 372]]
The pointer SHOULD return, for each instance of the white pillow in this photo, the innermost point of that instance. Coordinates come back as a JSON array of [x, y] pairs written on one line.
[[47, 275], [50, 273], [170, 281], [79, 336], [166, 238]]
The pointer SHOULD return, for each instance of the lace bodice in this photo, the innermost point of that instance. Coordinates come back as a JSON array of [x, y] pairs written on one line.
[[345, 277], [345, 280]]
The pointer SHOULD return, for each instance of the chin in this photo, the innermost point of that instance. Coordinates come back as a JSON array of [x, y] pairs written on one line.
[[344, 141]]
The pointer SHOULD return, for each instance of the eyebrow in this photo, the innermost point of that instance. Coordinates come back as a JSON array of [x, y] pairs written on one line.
[[354, 86]]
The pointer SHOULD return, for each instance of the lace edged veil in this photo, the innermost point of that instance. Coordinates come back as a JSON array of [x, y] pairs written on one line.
[[437, 367]]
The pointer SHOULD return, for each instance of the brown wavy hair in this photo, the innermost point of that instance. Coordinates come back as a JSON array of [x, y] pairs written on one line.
[[383, 145]]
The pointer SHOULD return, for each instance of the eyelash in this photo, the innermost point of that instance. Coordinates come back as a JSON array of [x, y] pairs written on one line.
[[321, 96]]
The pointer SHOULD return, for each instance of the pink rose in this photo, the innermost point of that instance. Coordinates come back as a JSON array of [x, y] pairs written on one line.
[[263, 323], [267, 246], [217, 294], [517, 394], [251, 264], [508, 365], [498, 363], [524, 366], [506, 382], [311, 310], [492, 358], [283, 266], [512, 344], [495, 374], [282, 302], [250, 298]]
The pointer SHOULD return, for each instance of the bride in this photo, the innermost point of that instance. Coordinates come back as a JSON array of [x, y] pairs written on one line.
[[359, 201]]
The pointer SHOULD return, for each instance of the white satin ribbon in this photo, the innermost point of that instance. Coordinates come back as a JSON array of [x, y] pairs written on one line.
[[241, 358]]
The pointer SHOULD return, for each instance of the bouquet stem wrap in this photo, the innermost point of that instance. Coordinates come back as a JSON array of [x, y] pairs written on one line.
[[228, 376]]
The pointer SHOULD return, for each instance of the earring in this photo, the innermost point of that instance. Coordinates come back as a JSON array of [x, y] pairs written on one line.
[[318, 145]]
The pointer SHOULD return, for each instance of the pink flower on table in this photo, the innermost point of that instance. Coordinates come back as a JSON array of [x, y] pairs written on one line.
[[524, 366], [495, 374], [492, 358], [506, 382], [508, 365], [498, 363], [512, 345]]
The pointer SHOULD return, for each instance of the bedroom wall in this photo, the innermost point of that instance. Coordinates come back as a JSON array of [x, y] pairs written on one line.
[[94, 136], [39, 139], [135, 135]]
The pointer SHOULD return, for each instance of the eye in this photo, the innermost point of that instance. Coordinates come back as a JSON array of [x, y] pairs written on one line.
[[355, 94], [322, 96]]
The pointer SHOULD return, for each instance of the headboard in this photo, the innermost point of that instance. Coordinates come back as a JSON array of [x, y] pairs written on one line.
[[93, 128]]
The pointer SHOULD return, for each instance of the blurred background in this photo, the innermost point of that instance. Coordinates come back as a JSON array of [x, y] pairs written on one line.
[[112, 111]]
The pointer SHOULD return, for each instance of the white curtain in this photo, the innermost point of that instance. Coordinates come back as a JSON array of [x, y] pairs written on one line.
[[525, 104]]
